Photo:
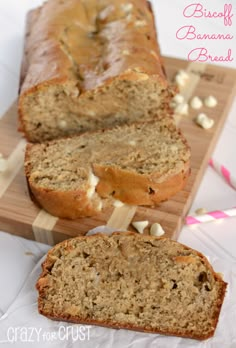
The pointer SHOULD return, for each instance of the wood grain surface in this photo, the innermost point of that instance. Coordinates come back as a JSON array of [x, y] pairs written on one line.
[[20, 216]]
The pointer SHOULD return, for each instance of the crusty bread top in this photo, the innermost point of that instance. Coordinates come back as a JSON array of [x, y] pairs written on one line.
[[86, 40], [131, 281]]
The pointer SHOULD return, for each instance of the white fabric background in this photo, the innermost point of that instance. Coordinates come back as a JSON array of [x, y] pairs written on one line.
[[217, 240]]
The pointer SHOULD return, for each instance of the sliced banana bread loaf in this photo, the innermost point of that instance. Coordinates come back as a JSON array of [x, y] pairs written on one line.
[[138, 164], [134, 282], [90, 64]]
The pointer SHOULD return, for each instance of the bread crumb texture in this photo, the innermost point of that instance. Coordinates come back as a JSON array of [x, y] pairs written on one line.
[[131, 281]]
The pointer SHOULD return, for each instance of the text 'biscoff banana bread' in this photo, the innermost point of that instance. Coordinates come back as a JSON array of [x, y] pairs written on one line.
[[133, 282], [138, 164], [90, 64]]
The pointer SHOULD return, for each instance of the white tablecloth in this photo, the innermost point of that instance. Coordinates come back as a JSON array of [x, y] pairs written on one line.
[[217, 240]]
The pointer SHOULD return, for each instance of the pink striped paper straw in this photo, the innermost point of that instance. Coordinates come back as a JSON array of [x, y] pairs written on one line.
[[211, 216], [224, 172]]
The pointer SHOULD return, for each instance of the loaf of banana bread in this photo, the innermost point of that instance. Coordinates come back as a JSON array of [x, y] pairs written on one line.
[[90, 64], [132, 281]]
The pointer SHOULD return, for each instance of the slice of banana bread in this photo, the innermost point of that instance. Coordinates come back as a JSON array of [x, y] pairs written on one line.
[[139, 164], [133, 282], [90, 64]]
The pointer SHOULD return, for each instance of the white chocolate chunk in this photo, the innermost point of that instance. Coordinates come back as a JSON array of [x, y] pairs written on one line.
[[156, 230], [62, 124], [178, 99], [140, 23], [181, 78], [127, 8], [181, 82], [3, 164], [118, 203], [183, 74], [210, 101], [182, 109], [140, 225], [99, 206], [132, 142], [91, 113], [196, 103], [93, 181], [126, 52], [204, 121]]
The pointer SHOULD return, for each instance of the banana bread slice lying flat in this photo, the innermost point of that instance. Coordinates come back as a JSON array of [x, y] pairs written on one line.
[[139, 164], [134, 282]]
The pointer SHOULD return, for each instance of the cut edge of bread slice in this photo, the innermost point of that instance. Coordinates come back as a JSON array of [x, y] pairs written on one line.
[[122, 164]]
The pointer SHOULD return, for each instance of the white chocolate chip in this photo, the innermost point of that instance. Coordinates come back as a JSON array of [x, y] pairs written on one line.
[[118, 203], [200, 211], [127, 8], [183, 74], [173, 105], [181, 78], [178, 99], [92, 181], [156, 230], [126, 52], [91, 113], [140, 225], [196, 103], [62, 124], [182, 109], [3, 164], [140, 23], [132, 142], [210, 101], [204, 121], [99, 206], [180, 81]]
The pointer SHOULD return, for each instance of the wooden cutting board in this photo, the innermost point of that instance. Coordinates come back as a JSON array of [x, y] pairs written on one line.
[[20, 216]]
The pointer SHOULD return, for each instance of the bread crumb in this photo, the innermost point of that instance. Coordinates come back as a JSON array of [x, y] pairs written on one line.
[[156, 230], [210, 101], [204, 121], [153, 53], [200, 211], [3, 164], [118, 203], [196, 103], [140, 225], [182, 109]]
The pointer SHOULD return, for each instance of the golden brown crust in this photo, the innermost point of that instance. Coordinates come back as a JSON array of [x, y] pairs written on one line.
[[53, 55], [42, 283]]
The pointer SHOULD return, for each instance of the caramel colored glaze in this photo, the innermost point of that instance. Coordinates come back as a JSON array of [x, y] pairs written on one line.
[[84, 40]]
